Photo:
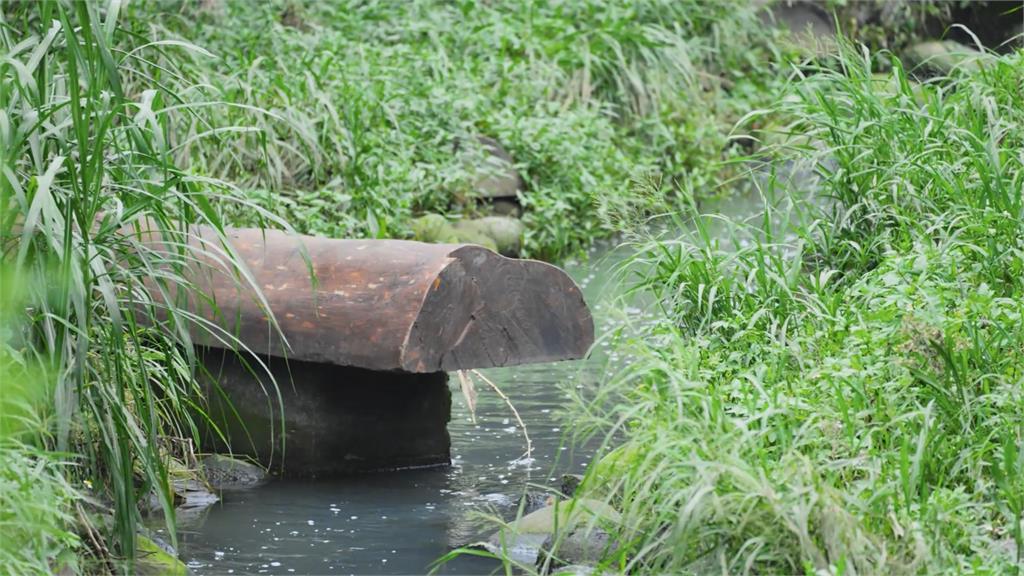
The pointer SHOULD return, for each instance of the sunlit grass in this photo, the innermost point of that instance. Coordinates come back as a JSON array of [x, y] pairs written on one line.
[[360, 106], [101, 315], [840, 390]]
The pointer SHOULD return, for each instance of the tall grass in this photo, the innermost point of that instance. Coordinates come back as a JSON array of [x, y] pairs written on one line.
[[88, 161], [361, 105], [840, 390]]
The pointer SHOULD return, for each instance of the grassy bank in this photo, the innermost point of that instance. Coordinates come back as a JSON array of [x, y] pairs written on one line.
[[839, 386], [359, 107]]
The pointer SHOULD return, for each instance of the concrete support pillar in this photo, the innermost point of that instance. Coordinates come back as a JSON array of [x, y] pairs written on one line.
[[337, 419]]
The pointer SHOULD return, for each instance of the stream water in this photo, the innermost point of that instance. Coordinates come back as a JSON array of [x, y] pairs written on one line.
[[402, 522]]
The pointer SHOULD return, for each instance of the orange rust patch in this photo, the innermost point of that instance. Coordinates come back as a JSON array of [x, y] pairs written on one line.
[[437, 283]]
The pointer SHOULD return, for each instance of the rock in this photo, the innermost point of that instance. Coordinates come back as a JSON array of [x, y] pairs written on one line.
[[521, 548], [496, 175], [944, 56], [472, 235], [582, 547], [533, 501], [570, 483], [498, 233], [433, 228], [153, 560], [506, 233], [564, 515], [575, 570], [614, 465], [227, 473], [506, 207], [811, 27], [188, 489], [192, 493], [522, 539]]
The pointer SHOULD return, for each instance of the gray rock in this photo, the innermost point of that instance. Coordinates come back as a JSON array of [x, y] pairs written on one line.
[[506, 207], [575, 570], [186, 493], [193, 493], [570, 483], [534, 501], [944, 56], [585, 546], [812, 30], [227, 473], [496, 175], [522, 539], [521, 548]]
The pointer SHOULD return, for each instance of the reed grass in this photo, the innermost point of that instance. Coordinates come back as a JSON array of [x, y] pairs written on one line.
[[837, 386], [357, 108], [102, 319]]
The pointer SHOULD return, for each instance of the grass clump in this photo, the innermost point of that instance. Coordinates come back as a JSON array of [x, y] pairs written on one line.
[[838, 387], [36, 504]]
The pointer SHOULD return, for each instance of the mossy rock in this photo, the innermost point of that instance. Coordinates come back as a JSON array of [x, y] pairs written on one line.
[[565, 515], [474, 236], [570, 484], [153, 560], [433, 228], [945, 56], [610, 468], [583, 547], [506, 233], [227, 473], [522, 540]]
